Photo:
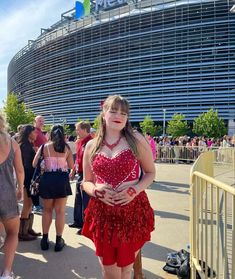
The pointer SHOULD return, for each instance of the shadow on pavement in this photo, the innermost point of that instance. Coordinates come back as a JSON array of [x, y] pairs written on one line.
[[150, 275], [155, 251], [166, 186], [171, 215], [50, 265]]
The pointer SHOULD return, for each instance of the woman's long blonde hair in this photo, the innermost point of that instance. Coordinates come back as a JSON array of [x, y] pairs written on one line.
[[115, 102], [3, 128]]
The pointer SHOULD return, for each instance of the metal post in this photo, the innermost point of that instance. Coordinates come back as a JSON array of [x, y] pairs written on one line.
[[138, 274], [164, 122]]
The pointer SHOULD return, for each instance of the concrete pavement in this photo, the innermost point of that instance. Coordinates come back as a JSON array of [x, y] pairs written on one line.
[[169, 197]]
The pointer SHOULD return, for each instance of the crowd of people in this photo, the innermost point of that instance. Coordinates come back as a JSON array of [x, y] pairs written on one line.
[[112, 169], [186, 149]]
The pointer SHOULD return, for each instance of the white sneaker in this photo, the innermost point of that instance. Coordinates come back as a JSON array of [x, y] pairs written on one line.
[[10, 276]]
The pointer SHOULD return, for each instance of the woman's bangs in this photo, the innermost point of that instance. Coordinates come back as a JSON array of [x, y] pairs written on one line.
[[120, 104]]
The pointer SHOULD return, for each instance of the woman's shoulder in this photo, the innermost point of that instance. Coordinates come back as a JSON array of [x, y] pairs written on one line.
[[91, 143], [15, 145], [139, 137]]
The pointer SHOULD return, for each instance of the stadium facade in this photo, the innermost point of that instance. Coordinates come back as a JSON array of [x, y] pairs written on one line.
[[166, 57]]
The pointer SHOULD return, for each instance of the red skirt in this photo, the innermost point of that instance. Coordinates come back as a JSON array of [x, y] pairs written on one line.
[[118, 232]]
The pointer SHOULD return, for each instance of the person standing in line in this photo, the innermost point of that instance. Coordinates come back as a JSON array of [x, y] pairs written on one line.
[[54, 187], [118, 218], [40, 140], [81, 198], [10, 160], [152, 145], [26, 137], [70, 141]]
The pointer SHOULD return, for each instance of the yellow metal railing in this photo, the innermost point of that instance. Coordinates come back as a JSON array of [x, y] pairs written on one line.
[[212, 221]]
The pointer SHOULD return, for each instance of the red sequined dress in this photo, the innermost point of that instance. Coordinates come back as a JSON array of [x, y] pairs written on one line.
[[118, 231]]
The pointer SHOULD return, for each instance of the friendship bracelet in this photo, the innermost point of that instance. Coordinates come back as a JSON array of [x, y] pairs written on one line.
[[131, 191]]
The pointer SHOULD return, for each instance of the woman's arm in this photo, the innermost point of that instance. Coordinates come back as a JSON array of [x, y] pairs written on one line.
[[100, 191], [70, 159], [88, 176], [146, 162], [36, 158], [19, 169], [128, 193]]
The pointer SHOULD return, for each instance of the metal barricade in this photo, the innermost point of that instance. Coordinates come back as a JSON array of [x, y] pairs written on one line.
[[177, 154], [212, 220]]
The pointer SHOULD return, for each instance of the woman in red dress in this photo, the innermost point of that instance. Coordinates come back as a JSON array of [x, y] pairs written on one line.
[[119, 218]]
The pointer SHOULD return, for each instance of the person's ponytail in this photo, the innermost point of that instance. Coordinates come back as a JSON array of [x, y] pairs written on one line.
[[57, 137]]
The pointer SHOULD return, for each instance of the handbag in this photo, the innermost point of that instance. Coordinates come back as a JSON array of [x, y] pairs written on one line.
[[34, 185]]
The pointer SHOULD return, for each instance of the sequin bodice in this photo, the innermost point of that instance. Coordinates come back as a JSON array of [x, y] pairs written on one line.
[[116, 170]]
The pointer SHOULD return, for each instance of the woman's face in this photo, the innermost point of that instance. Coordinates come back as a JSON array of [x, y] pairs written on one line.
[[33, 136], [115, 119]]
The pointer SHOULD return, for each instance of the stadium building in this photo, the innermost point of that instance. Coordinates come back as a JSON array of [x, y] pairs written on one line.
[[166, 57]]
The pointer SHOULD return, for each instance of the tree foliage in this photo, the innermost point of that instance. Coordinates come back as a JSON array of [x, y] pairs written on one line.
[[159, 130], [147, 126], [97, 122], [177, 126], [16, 112], [47, 128], [67, 129], [209, 124]]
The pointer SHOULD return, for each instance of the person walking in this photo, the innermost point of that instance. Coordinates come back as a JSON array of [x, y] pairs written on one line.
[[114, 218], [10, 160], [54, 186], [81, 198], [26, 138]]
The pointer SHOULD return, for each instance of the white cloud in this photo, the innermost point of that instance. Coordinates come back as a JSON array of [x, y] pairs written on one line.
[[23, 24]]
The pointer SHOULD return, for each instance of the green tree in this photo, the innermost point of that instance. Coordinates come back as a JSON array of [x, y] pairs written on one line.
[[16, 112], [96, 123], [67, 129], [209, 124], [177, 126], [47, 128], [159, 130], [147, 126]]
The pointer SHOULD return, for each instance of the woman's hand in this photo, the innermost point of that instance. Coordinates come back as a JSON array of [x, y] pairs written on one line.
[[125, 195], [20, 194], [104, 193]]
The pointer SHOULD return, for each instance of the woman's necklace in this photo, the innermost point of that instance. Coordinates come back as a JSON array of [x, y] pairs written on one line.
[[111, 146]]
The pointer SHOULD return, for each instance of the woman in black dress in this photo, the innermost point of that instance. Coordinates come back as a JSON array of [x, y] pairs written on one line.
[[26, 138]]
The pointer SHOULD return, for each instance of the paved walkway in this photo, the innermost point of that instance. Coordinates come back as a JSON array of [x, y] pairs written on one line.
[[169, 197]]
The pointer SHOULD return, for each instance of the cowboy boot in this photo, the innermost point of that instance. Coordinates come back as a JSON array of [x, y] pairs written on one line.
[[23, 232], [30, 230], [138, 267]]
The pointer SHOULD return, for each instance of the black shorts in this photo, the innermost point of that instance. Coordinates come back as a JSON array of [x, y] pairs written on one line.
[[54, 185]]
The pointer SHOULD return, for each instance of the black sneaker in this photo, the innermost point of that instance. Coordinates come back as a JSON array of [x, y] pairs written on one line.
[[74, 225], [79, 232], [44, 244], [59, 245]]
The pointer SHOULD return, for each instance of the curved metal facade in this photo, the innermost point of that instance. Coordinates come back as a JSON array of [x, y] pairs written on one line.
[[178, 56]]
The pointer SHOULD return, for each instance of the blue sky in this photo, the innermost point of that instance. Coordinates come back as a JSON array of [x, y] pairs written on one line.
[[20, 21]]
